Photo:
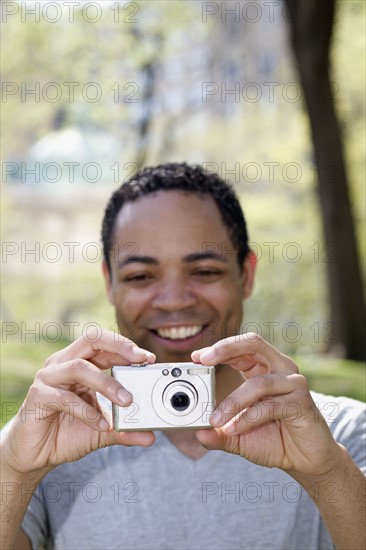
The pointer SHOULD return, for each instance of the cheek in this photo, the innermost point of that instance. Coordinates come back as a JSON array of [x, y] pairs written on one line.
[[129, 304], [127, 313], [228, 303], [224, 298]]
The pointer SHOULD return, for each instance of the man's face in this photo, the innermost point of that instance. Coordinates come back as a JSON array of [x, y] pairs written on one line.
[[175, 280]]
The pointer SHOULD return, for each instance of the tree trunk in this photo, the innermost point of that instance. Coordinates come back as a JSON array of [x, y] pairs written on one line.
[[311, 27], [144, 126]]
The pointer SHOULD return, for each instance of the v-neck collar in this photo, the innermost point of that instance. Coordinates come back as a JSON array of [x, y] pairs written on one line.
[[182, 459]]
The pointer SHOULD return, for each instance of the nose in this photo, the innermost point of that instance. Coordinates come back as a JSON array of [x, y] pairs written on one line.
[[173, 295]]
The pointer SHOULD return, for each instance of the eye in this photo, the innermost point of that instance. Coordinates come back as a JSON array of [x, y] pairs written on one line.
[[138, 277], [207, 273]]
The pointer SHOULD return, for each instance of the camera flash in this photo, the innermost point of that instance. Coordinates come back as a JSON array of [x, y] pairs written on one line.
[[198, 371]]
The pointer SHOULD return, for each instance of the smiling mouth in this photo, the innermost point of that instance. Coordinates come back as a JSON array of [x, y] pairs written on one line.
[[179, 333]]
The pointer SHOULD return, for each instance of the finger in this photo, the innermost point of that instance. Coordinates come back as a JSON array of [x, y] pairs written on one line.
[[253, 390], [102, 343], [73, 406], [262, 413], [212, 439], [142, 439], [106, 360], [80, 371], [195, 355], [246, 352]]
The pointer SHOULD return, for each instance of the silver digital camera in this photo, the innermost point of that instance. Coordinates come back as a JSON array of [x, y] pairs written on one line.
[[166, 396]]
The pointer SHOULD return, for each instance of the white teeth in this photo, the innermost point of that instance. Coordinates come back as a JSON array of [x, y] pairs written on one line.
[[179, 333]]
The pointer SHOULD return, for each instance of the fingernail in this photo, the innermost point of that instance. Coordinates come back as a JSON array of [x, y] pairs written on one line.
[[137, 351], [124, 397], [216, 418], [208, 355], [230, 429], [103, 424]]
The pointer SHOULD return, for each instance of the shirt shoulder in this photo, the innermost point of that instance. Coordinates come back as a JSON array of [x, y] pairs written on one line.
[[346, 418]]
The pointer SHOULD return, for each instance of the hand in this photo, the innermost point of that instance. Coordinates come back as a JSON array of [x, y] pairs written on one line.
[[60, 420], [271, 418]]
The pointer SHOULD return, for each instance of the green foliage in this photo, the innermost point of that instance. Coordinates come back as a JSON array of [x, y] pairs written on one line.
[[333, 376], [74, 50], [348, 60], [279, 211]]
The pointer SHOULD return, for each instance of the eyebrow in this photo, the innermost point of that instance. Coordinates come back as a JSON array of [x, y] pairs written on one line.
[[191, 258], [138, 259], [202, 256]]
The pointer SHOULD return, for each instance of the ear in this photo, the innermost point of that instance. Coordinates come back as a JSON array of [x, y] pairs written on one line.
[[108, 282], [249, 265]]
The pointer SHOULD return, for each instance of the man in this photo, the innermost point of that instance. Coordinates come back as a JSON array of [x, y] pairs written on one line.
[[274, 471]]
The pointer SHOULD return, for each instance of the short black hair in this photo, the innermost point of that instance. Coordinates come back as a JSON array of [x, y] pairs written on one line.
[[180, 177]]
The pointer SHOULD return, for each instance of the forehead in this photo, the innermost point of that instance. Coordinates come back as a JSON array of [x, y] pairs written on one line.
[[169, 222]]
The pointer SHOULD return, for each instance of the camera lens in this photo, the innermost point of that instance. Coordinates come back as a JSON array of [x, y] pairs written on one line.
[[180, 398], [176, 372], [180, 401]]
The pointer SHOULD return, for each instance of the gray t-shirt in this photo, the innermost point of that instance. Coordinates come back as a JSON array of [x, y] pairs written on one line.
[[158, 498]]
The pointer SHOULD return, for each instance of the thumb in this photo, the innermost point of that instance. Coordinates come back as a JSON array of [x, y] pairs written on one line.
[[128, 439], [212, 439]]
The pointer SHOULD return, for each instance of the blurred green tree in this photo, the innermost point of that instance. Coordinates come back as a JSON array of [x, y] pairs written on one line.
[[311, 23]]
